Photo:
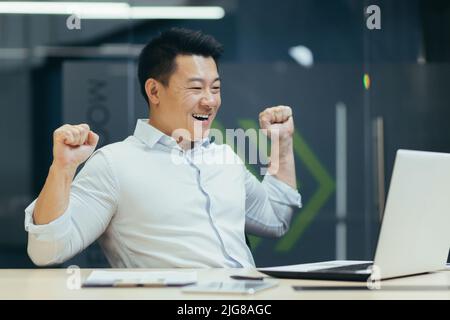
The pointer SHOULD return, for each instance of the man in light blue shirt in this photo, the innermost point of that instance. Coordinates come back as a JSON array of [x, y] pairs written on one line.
[[166, 196]]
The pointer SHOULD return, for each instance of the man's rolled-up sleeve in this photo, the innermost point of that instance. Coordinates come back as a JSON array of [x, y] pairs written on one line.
[[270, 205], [93, 201]]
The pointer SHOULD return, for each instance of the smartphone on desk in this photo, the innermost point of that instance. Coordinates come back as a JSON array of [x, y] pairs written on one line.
[[237, 287]]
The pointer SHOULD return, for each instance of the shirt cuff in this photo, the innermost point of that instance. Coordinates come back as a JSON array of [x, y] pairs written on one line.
[[52, 231], [282, 192]]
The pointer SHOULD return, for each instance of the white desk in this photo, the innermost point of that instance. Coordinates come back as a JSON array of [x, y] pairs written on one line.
[[51, 284]]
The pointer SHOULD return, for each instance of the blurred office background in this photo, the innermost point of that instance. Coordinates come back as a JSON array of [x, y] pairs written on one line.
[[358, 95]]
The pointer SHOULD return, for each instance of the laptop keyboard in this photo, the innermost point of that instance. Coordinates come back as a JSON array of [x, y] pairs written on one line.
[[349, 268]]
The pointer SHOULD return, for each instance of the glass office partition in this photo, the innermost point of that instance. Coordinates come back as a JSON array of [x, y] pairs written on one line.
[[361, 84]]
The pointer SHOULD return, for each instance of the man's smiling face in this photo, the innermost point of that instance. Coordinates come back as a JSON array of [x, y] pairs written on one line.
[[192, 97]]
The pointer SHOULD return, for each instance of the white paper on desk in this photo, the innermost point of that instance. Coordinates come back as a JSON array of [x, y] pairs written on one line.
[[100, 277], [305, 267]]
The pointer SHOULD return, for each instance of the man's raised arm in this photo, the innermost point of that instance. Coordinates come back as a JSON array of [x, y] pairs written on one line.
[[72, 145]]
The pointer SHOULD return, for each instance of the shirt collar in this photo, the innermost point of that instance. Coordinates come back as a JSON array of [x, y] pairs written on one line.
[[148, 134]]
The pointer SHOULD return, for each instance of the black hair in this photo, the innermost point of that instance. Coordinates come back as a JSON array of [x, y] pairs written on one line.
[[157, 58]]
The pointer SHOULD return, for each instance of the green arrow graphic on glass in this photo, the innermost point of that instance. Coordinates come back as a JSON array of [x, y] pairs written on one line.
[[312, 207]]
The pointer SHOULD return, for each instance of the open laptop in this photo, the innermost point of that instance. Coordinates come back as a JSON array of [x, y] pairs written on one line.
[[414, 236]]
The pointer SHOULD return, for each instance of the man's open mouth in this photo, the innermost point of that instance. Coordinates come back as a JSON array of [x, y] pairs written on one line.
[[201, 117]]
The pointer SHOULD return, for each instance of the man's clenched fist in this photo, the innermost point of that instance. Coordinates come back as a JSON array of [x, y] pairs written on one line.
[[277, 118], [73, 144]]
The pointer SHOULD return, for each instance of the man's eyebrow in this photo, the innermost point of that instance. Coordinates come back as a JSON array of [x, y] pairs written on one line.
[[202, 80]]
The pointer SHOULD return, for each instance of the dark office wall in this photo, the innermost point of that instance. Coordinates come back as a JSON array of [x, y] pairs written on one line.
[[15, 165], [435, 15], [333, 30], [414, 107]]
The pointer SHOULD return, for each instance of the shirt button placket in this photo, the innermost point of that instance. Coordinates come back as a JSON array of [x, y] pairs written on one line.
[[210, 211]]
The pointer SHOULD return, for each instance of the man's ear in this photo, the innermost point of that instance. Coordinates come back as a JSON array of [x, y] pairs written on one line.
[[152, 89]]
